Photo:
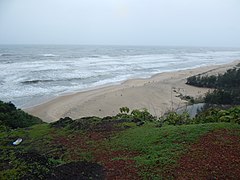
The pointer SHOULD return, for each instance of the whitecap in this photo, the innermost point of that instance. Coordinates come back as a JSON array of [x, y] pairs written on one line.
[[49, 55]]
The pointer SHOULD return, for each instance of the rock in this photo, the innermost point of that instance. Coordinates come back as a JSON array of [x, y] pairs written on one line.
[[140, 123]]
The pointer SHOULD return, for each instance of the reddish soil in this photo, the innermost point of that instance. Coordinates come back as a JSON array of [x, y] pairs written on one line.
[[77, 171], [215, 156], [117, 164]]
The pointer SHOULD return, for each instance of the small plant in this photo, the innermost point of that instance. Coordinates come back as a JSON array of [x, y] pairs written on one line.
[[176, 119], [124, 113], [212, 114], [124, 110], [143, 115]]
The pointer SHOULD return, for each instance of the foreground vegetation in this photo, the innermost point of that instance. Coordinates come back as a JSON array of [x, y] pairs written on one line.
[[130, 145], [11, 117]]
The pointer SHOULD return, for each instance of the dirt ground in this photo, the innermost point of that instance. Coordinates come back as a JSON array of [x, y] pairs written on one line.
[[214, 156]]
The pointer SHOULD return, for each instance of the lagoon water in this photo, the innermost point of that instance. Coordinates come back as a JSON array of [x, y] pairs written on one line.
[[31, 74]]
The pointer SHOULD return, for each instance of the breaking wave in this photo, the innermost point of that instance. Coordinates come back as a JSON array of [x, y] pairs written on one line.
[[36, 81], [38, 71], [49, 55]]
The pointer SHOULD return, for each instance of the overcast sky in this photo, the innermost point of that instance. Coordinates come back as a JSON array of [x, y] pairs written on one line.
[[121, 22]]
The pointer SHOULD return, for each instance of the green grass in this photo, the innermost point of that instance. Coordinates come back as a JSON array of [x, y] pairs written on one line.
[[36, 138], [161, 147], [39, 131]]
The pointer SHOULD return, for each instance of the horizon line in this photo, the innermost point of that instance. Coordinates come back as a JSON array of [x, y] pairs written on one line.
[[130, 45]]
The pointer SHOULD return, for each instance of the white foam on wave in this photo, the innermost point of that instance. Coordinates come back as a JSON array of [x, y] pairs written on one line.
[[80, 72], [49, 55]]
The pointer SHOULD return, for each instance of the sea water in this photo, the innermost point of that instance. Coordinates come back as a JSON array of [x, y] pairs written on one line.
[[31, 74]]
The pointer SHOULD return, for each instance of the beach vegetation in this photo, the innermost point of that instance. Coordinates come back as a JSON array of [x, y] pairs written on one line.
[[136, 115], [143, 115], [172, 118], [212, 114], [124, 110], [226, 86]]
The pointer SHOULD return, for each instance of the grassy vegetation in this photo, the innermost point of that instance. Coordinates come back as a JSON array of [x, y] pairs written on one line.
[[152, 146], [160, 148], [33, 158]]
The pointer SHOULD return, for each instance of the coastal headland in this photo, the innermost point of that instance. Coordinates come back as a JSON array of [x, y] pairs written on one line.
[[159, 94]]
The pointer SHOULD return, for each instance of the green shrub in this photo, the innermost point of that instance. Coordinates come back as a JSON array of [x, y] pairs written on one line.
[[85, 123], [173, 118], [231, 115], [124, 110], [211, 115], [62, 122], [12, 117], [143, 115], [219, 96], [227, 87]]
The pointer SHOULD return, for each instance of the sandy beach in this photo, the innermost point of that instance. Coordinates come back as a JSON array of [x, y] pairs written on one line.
[[158, 94]]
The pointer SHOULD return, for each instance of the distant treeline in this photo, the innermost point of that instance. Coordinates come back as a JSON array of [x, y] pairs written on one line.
[[227, 86]]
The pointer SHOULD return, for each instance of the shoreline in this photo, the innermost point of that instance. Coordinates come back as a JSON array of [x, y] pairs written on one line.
[[158, 94], [32, 105]]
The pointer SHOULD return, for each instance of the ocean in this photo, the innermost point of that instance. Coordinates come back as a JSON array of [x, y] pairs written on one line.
[[32, 74]]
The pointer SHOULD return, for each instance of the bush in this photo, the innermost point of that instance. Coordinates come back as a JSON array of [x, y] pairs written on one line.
[[219, 97], [85, 123], [143, 115], [15, 118], [211, 115], [227, 87], [62, 122], [173, 118], [124, 110]]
